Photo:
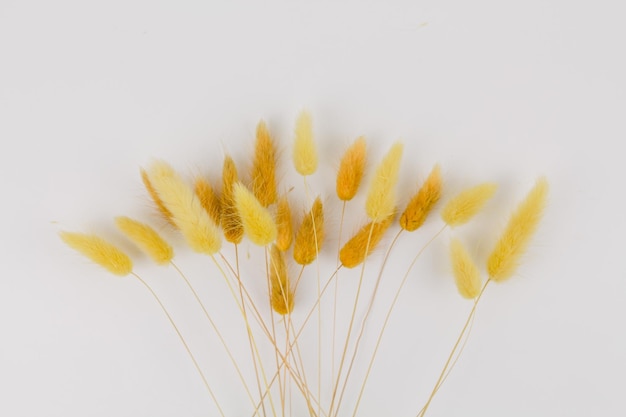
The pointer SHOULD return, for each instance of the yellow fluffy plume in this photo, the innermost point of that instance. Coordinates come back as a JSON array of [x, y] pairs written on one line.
[[310, 231], [264, 167], [100, 252], [466, 274], [465, 205], [147, 239], [351, 170], [423, 202], [156, 199], [231, 222], [281, 293], [194, 223], [357, 249], [381, 196], [257, 221], [304, 149], [284, 224], [209, 199], [513, 242]]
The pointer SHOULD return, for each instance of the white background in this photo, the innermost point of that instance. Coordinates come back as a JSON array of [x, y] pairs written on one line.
[[492, 90]]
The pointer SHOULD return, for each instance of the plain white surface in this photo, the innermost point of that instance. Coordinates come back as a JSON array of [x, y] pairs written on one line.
[[492, 90]]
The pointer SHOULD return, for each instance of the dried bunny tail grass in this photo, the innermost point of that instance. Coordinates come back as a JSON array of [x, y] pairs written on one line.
[[353, 252], [257, 221], [99, 251], [167, 215], [231, 222], [465, 205], [311, 231], [209, 199], [264, 167], [381, 197], [523, 223], [466, 274], [281, 293], [194, 223], [304, 150], [284, 224], [351, 170], [423, 202], [147, 239]]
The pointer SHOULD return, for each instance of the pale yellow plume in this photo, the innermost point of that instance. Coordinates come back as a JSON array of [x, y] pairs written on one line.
[[356, 249], [194, 223], [310, 231], [284, 224], [423, 202], [281, 294], [466, 274], [351, 169], [209, 199], [465, 205], [257, 221], [100, 252], [156, 199], [513, 242], [381, 196], [304, 149], [264, 167], [231, 222], [147, 239]]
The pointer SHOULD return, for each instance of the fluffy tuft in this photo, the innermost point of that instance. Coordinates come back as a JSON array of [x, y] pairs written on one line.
[[310, 231], [466, 274], [465, 205], [304, 150], [194, 223], [351, 170], [257, 221], [354, 251], [423, 202], [381, 197], [231, 222], [209, 199], [99, 251], [284, 224], [513, 242], [281, 296], [147, 239], [167, 215], [264, 167]]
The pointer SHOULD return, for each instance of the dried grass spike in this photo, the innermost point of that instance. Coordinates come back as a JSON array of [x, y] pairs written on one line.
[[257, 221], [381, 197], [209, 199], [304, 149], [465, 205], [281, 293], [99, 251], [351, 170], [231, 222], [167, 215], [147, 239], [423, 202], [310, 231], [194, 223], [284, 224], [466, 274], [264, 167], [513, 242], [353, 252]]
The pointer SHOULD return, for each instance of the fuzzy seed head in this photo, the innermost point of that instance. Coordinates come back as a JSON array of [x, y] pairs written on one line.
[[423, 202], [357, 249], [304, 149], [147, 239], [381, 197], [99, 251], [264, 167], [167, 215], [466, 274], [209, 199], [231, 222], [504, 260], [311, 231], [194, 223], [257, 221], [465, 205], [281, 294], [351, 170], [284, 224]]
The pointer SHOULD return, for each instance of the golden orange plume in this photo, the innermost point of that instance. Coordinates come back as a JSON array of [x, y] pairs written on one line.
[[357, 248], [264, 167], [311, 231], [281, 294], [231, 222], [284, 224], [423, 202], [351, 170], [209, 199]]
